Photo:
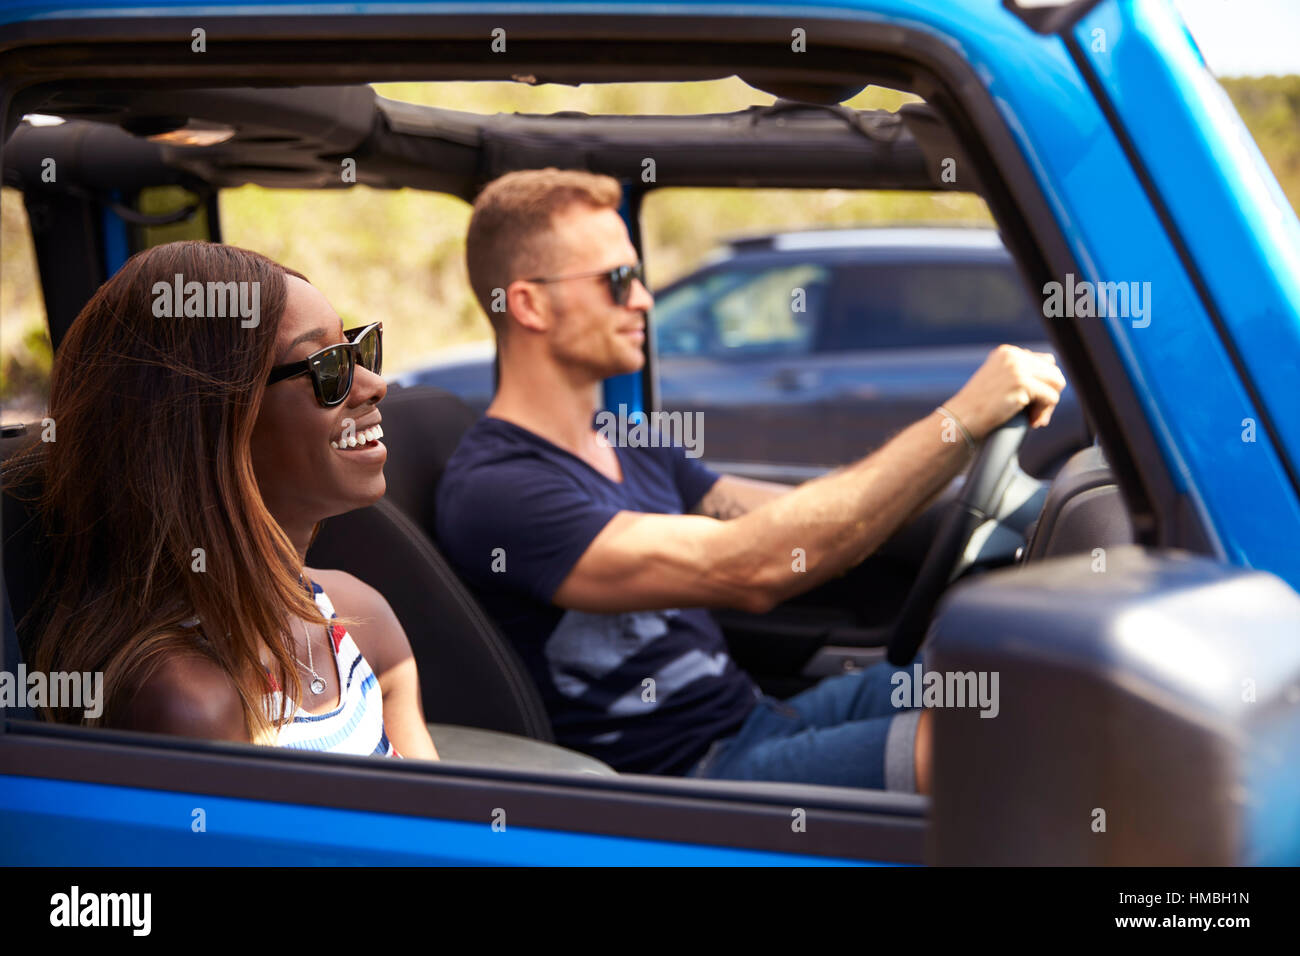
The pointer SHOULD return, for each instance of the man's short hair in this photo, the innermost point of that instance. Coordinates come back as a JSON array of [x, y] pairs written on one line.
[[509, 232]]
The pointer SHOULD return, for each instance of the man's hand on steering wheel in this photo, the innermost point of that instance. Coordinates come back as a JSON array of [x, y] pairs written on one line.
[[1010, 379], [1013, 389]]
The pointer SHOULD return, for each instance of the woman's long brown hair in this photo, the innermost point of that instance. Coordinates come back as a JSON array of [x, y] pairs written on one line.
[[151, 462]]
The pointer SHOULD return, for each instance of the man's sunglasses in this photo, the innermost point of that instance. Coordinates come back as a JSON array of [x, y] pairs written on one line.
[[331, 368], [620, 280]]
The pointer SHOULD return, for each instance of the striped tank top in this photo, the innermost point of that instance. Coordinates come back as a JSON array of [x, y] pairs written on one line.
[[356, 726]]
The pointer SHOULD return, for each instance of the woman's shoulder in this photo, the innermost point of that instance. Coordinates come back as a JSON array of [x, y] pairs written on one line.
[[345, 592], [378, 634], [189, 695]]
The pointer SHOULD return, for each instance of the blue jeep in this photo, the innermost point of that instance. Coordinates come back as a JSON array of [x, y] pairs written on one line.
[[1141, 607]]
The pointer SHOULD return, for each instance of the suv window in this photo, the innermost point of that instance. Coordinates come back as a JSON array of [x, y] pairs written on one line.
[[891, 306], [734, 312]]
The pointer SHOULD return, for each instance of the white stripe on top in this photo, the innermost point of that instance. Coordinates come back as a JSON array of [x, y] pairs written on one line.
[[356, 726]]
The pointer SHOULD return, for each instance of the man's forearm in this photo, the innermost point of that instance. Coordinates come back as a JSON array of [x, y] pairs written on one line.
[[832, 523]]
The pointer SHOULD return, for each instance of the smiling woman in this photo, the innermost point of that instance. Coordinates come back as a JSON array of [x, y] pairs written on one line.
[[196, 454]]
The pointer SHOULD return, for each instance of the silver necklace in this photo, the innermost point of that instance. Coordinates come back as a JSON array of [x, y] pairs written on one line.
[[317, 682]]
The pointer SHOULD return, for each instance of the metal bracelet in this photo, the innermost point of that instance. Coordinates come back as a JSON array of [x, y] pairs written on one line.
[[964, 433]]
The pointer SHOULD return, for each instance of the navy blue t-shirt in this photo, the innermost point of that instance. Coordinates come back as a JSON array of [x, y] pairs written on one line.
[[515, 513]]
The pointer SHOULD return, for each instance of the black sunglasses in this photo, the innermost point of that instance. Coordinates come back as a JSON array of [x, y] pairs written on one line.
[[331, 368], [620, 280]]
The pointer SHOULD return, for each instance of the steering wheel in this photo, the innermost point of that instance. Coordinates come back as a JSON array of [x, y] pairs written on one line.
[[995, 468]]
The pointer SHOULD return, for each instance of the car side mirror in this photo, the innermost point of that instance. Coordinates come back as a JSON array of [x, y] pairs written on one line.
[[1146, 711]]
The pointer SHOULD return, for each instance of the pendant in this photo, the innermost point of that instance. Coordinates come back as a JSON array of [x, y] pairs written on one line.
[[318, 685]]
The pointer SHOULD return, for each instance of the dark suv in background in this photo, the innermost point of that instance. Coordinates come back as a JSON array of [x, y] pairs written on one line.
[[805, 350]]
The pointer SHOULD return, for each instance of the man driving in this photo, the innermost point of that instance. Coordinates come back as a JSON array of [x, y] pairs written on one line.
[[600, 563]]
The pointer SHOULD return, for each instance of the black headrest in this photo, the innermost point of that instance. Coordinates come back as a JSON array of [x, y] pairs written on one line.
[[1083, 510], [422, 426]]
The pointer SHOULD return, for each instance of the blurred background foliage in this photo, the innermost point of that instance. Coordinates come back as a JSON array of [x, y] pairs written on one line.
[[398, 255]]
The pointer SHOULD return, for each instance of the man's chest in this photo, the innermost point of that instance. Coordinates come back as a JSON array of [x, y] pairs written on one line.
[[640, 485]]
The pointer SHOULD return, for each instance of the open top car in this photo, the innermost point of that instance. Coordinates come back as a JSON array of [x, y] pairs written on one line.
[[1138, 598]]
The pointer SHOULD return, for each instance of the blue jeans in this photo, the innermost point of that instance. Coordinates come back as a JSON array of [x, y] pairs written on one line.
[[843, 732]]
